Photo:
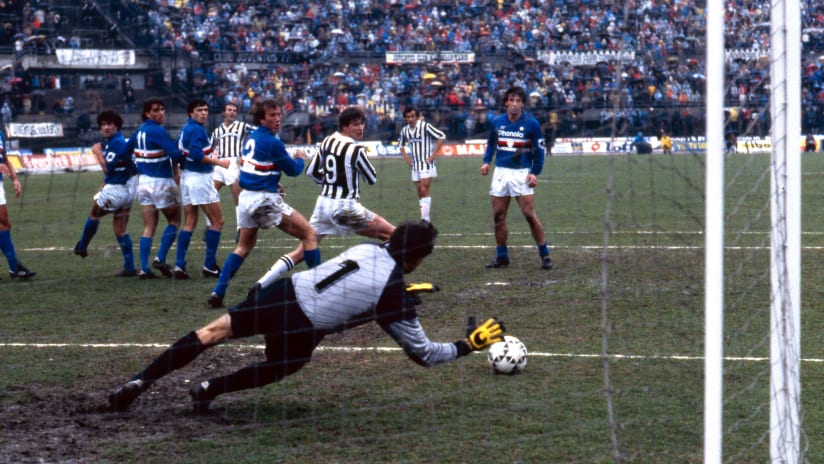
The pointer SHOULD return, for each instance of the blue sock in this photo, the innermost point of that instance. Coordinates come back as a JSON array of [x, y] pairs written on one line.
[[183, 239], [89, 229], [125, 243], [145, 250], [230, 266], [212, 242], [312, 257], [543, 250], [166, 241], [501, 251], [8, 249]]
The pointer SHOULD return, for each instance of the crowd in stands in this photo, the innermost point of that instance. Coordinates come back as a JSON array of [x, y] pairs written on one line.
[[655, 80]]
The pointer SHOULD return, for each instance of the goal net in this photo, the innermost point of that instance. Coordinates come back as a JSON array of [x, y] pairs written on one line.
[[667, 331]]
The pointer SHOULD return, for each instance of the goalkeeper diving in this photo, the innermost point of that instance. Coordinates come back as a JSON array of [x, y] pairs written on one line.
[[365, 283]]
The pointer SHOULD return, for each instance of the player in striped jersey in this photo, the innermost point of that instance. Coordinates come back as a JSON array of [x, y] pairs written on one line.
[[424, 141], [517, 144], [227, 141], [363, 284], [261, 204], [156, 157], [198, 190], [337, 167]]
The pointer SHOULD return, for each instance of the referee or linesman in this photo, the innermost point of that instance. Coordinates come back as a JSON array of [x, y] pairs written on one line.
[[423, 141], [227, 140]]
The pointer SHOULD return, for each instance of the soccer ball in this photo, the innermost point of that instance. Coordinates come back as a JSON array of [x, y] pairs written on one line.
[[508, 356]]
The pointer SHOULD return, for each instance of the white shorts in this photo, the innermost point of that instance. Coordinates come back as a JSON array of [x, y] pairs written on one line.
[[226, 176], [508, 182], [339, 217], [261, 209], [198, 188], [424, 174], [2, 194], [113, 197], [160, 192]]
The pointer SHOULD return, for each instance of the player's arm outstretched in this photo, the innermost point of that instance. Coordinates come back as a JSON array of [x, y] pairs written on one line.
[[410, 335]]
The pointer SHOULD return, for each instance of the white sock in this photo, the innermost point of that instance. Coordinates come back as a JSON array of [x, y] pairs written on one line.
[[282, 265], [426, 206]]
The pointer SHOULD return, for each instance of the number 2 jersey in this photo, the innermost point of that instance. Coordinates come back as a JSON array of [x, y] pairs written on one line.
[[361, 285], [264, 159]]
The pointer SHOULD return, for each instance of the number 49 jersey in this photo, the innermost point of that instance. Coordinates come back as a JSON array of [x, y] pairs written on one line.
[[338, 165], [362, 284]]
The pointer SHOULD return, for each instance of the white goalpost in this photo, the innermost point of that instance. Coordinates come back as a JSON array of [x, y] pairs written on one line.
[[785, 209], [714, 241], [785, 234]]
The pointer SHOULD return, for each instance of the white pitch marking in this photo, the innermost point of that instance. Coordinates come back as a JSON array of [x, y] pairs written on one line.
[[386, 349]]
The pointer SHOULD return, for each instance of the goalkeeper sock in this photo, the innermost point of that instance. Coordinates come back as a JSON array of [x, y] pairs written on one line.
[[254, 376], [182, 352], [282, 265]]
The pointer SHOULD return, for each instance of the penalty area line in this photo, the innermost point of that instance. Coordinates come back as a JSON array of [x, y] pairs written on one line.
[[386, 349]]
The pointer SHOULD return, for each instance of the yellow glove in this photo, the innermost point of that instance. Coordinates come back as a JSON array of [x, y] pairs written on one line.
[[422, 287], [485, 334]]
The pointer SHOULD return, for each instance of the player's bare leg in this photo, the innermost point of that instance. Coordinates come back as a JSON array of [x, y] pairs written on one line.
[[527, 204], [378, 228], [297, 226], [500, 208]]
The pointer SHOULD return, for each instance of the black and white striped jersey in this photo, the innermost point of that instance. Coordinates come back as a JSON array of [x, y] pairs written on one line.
[[361, 285], [419, 141], [338, 165], [228, 140]]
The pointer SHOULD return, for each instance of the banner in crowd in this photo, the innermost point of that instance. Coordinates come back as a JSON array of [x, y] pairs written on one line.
[[429, 57], [585, 58], [33, 129], [54, 160], [87, 57]]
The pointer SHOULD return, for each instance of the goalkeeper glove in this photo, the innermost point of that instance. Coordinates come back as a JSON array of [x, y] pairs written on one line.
[[422, 287], [480, 337]]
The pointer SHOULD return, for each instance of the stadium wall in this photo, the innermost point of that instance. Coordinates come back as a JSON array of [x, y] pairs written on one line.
[[81, 158]]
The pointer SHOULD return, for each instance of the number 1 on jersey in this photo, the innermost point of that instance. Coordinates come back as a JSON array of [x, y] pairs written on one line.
[[347, 267]]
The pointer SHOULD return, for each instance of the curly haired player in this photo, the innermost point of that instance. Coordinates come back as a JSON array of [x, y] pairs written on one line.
[[517, 144]]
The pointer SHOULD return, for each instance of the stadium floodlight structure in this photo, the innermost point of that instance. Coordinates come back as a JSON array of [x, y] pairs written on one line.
[[785, 234]]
